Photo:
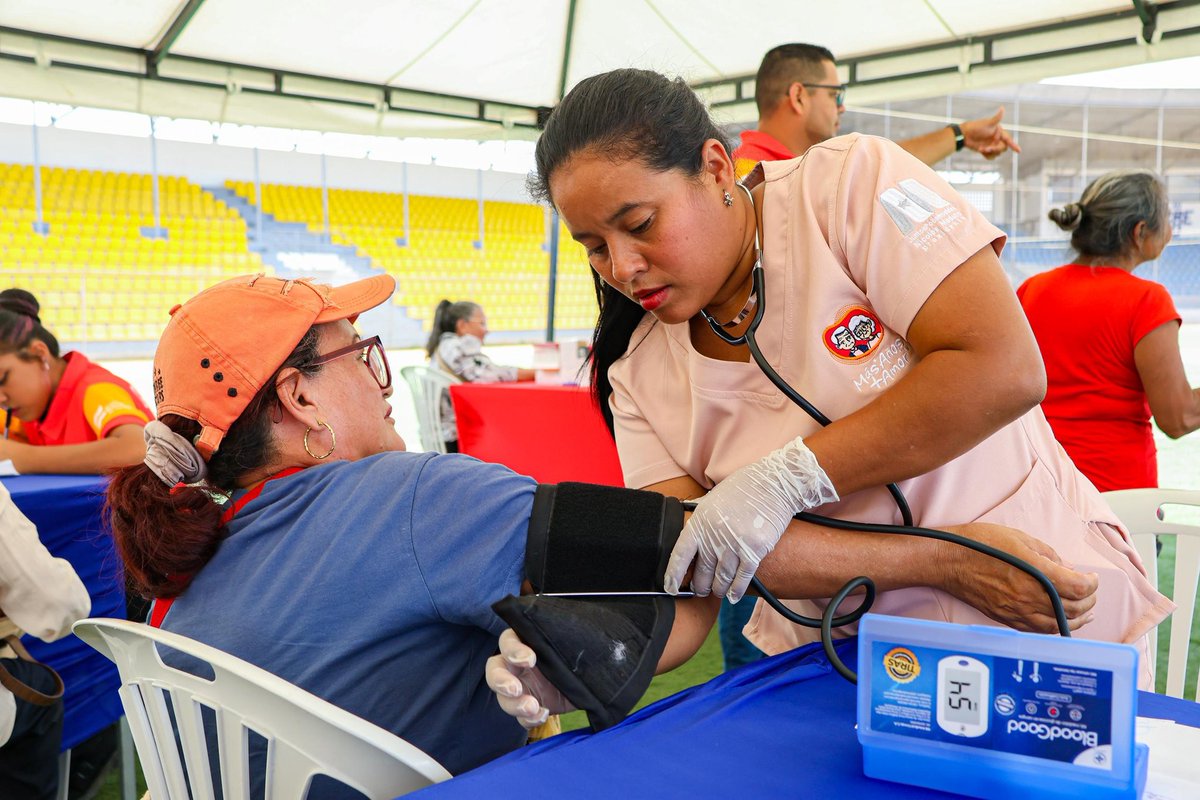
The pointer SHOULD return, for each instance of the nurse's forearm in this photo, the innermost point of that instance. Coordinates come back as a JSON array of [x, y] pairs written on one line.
[[977, 368], [908, 432]]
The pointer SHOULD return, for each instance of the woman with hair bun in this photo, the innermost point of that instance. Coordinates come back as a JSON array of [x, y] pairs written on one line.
[[456, 346], [62, 413], [1110, 340]]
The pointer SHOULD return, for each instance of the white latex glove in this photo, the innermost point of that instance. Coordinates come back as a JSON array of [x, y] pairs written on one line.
[[736, 524], [521, 689]]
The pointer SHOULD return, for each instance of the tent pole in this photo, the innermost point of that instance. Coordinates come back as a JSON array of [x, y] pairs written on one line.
[[40, 225], [1083, 154], [404, 193], [158, 231], [1016, 184], [325, 197], [553, 275], [258, 220], [479, 205]]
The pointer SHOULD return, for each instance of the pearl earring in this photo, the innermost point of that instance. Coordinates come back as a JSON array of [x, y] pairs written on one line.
[[728, 199], [46, 365]]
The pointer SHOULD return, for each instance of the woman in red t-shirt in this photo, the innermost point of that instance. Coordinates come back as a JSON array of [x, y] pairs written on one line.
[[61, 413], [1110, 340]]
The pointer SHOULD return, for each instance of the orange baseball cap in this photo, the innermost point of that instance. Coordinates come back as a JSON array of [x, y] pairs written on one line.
[[220, 347]]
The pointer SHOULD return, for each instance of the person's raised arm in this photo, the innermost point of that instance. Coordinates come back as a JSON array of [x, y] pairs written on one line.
[[123, 447], [1174, 404], [985, 136]]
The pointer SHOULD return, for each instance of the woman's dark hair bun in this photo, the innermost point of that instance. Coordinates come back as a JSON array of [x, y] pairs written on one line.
[[20, 301]]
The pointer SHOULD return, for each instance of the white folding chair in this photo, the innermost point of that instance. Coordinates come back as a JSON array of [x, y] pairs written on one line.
[[1141, 511], [305, 735], [427, 385]]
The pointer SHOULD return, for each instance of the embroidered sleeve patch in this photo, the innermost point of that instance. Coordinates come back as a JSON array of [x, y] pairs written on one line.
[[922, 216], [855, 334]]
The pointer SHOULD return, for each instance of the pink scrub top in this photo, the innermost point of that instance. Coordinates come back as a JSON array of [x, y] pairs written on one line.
[[857, 235]]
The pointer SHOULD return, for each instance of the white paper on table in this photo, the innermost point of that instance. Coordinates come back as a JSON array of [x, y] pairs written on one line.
[[1174, 773], [7, 469]]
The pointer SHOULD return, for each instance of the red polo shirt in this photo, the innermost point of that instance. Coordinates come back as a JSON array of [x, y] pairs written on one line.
[[757, 146], [89, 402]]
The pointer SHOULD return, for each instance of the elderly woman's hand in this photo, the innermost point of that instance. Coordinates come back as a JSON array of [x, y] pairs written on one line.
[[521, 689], [1008, 595]]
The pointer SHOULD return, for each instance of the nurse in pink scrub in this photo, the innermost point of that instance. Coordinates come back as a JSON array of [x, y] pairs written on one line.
[[887, 308]]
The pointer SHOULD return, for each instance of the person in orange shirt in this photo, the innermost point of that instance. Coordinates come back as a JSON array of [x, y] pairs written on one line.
[[62, 413]]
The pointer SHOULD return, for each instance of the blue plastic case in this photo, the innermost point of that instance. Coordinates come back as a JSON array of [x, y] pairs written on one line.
[[996, 713]]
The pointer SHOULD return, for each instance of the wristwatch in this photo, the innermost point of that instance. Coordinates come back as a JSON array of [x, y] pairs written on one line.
[[959, 140]]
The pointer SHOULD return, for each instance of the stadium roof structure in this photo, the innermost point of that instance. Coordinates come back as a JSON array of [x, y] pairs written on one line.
[[491, 68]]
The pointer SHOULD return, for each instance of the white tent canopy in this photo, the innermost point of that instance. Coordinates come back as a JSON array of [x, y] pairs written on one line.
[[485, 67]]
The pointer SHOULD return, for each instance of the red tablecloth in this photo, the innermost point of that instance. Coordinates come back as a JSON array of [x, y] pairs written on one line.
[[551, 433]]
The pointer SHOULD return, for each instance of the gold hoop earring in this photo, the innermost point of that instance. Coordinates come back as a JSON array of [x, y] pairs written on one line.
[[728, 199], [332, 441]]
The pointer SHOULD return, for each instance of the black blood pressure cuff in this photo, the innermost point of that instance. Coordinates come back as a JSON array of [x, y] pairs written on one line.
[[600, 652], [588, 538]]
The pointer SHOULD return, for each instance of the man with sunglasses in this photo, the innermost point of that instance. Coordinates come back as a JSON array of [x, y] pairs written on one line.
[[801, 101]]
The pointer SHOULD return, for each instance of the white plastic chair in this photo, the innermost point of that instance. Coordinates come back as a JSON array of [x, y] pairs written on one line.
[[1141, 510], [427, 385], [305, 735]]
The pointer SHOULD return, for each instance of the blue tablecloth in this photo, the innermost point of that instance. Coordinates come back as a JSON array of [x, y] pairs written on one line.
[[781, 727], [67, 512]]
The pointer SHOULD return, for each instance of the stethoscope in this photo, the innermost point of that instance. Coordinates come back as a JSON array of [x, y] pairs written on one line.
[[828, 620]]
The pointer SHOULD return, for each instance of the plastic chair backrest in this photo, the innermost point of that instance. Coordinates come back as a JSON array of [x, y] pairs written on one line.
[[305, 735], [1141, 511], [427, 385]]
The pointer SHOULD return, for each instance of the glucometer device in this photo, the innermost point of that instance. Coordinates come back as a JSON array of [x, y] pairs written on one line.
[[993, 713]]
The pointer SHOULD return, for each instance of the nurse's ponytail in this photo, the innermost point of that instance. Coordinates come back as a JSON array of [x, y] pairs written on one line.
[[619, 316]]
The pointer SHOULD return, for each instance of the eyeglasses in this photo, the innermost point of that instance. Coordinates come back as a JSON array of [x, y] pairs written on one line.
[[839, 89], [370, 352]]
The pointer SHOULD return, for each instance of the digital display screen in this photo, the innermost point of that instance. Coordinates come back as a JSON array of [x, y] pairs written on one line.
[[960, 697]]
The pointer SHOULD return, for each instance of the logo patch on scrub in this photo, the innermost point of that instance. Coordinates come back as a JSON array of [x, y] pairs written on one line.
[[855, 334], [901, 665], [923, 217]]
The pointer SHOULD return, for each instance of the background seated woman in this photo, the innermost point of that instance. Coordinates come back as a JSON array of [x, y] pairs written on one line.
[[62, 412], [456, 346]]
